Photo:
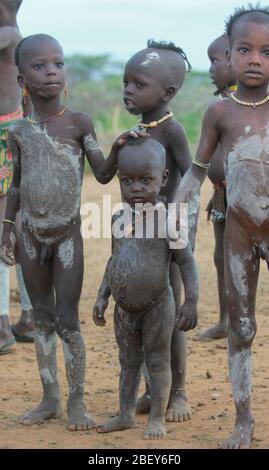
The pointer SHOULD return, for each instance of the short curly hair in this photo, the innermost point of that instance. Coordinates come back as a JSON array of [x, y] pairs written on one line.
[[169, 46], [239, 12]]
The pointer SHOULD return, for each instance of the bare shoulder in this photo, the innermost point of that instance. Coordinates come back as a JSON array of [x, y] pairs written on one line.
[[82, 121], [17, 127], [218, 109]]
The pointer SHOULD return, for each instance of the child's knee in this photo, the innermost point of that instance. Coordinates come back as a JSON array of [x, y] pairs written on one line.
[[158, 363], [243, 333], [65, 330]]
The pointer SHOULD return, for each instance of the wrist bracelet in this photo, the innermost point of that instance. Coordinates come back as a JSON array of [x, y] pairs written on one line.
[[8, 221], [201, 164]]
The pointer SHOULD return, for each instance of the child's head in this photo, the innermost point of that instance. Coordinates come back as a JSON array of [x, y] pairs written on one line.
[[153, 76], [248, 32], [220, 70], [142, 172], [40, 62]]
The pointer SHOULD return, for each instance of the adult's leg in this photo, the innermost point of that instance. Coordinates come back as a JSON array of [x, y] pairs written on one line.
[[220, 330], [39, 283], [128, 336], [178, 407], [157, 328], [7, 340], [241, 275], [68, 277]]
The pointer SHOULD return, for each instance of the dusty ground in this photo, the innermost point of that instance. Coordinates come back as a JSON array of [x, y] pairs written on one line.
[[207, 382]]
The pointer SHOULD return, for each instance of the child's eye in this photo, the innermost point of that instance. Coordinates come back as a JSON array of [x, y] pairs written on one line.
[[266, 53], [139, 85], [59, 65], [126, 181], [125, 83], [243, 50], [38, 66], [146, 180]]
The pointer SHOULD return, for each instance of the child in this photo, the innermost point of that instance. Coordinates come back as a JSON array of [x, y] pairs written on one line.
[[152, 77], [49, 149], [223, 77], [241, 123], [10, 110], [137, 275]]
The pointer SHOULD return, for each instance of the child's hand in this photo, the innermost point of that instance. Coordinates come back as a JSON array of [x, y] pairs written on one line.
[[7, 249], [121, 140], [188, 316], [99, 312]]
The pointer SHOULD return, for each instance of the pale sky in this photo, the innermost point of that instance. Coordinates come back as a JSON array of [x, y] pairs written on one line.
[[122, 27]]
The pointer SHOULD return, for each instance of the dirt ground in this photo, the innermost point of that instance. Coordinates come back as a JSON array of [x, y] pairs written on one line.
[[208, 385]]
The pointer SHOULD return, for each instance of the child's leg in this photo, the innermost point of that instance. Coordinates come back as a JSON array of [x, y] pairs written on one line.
[[221, 329], [157, 328], [7, 341], [241, 274], [128, 335], [178, 408], [39, 284], [23, 330], [68, 277]]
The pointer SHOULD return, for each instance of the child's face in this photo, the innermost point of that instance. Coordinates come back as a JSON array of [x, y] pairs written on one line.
[[43, 69], [143, 92], [141, 176], [250, 53], [220, 71]]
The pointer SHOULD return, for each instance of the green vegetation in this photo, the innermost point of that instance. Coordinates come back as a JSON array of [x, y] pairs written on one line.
[[95, 86]]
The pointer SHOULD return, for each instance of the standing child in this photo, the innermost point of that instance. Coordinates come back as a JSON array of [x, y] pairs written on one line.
[[49, 149], [223, 77], [137, 275], [10, 111], [241, 123], [152, 77]]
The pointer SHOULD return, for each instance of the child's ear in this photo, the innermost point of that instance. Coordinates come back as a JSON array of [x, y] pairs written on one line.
[[170, 93], [228, 57], [20, 81], [165, 178]]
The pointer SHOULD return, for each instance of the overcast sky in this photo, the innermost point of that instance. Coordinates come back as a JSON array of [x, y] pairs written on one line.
[[122, 27]]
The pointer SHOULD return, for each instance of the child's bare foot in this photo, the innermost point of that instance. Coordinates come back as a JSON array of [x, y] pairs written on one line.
[[216, 332], [155, 430], [79, 419], [119, 423], [143, 404], [241, 436], [178, 409], [45, 410]]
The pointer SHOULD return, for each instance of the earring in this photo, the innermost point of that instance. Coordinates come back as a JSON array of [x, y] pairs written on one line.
[[25, 95], [66, 94]]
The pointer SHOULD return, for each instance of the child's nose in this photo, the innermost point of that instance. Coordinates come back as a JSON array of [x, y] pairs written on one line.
[[255, 59], [136, 187]]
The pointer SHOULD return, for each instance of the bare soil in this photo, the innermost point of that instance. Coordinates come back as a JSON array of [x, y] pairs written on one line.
[[208, 385]]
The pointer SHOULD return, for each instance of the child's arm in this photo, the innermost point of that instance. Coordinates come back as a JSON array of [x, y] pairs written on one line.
[[179, 147], [103, 168], [101, 302], [195, 176], [13, 205], [104, 291], [187, 318]]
